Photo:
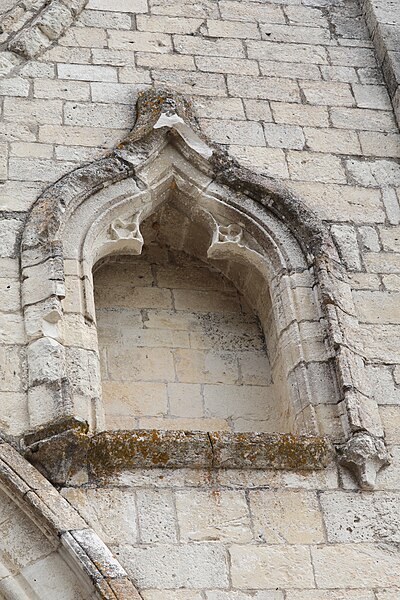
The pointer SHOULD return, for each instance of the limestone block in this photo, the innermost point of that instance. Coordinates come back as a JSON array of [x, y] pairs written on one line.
[[111, 513], [12, 374], [52, 577], [138, 297], [370, 239], [141, 364], [390, 416], [104, 19], [29, 42], [167, 24], [268, 161], [290, 70], [364, 119], [90, 37], [16, 529], [213, 516], [295, 114], [379, 144], [202, 84], [332, 140], [298, 53], [252, 403], [185, 44], [54, 20], [140, 40], [249, 11], [286, 517], [294, 34], [136, 399], [392, 206], [11, 328], [315, 167], [356, 57], [46, 361], [284, 136], [327, 93], [258, 567], [193, 566], [334, 566], [156, 514], [73, 90], [42, 319], [330, 595], [378, 307], [43, 281], [9, 230], [172, 595], [192, 277], [281, 90], [87, 72], [353, 517], [215, 64], [261, 595], [45, 403], [96, 114], [391, 239], [156, 61], [8, 61], [226, 29], [198, 366], [346, 239], [14, 419], [185, 400], [382, 262], [129, 6]]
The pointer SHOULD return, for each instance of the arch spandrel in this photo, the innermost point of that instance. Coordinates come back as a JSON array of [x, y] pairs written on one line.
[[98, 209]]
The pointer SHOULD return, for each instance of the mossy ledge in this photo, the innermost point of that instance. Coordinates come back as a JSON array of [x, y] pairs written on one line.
[[74, 455]]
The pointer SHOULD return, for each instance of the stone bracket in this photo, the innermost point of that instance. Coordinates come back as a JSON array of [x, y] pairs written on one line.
[[364, 455]]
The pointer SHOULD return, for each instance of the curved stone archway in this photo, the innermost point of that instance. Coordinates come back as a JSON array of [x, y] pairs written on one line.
[[46, 548], [97, 210]]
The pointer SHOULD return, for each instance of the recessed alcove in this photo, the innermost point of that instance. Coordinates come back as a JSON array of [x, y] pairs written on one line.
[[181, 346]]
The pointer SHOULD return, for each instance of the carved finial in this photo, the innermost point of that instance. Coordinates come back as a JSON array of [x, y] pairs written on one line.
[[364, 455]]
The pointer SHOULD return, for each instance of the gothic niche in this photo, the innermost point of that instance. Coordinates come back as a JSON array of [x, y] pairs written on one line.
[[181, 347]]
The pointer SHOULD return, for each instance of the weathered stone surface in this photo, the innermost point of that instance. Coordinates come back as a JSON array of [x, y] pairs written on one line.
[[191, 566], [289, 517], [334, 565], [259, 567], [364, 455]]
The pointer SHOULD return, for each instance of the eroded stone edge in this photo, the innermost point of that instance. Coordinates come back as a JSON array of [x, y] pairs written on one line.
[[63, 525], [388, 56], [66, 456]]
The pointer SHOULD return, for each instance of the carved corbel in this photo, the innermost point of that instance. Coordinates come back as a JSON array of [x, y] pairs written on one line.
[[364, 455]]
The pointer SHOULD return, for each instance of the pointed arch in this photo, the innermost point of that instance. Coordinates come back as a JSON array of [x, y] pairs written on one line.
[[98, 208], [47, 548]]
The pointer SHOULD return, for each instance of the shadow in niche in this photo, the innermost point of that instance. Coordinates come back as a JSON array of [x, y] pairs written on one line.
[[181, 348]]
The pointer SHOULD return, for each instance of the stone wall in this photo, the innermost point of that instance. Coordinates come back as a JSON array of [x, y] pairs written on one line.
[[293, 90]]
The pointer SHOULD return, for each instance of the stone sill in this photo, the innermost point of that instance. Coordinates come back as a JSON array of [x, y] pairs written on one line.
[[74, 455]]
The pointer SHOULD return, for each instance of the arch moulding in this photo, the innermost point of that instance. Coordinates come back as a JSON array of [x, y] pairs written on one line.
[[262, 237]]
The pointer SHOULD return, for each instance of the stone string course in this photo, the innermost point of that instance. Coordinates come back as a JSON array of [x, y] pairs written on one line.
[[293, 89]]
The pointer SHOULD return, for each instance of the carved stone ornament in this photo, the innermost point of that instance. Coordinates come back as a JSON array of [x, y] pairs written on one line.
[[364, 455], [250, 220], [125, 235]]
